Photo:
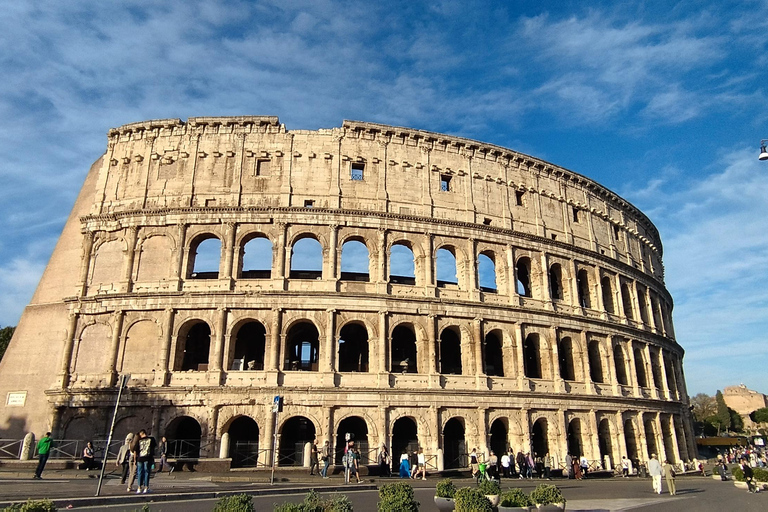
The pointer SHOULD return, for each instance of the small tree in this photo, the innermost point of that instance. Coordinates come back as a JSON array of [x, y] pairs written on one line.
[[723, 414], [760, 415]]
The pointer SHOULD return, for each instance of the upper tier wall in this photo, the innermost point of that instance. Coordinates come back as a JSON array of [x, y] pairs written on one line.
[[255, 162]]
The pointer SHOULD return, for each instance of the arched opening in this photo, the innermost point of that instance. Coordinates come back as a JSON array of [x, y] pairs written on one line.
[[404, 439], [402, 267], [630, 439], [642, 378], [523, 271], [446, 266], [301, 348], [656, 314], [595, 362], [193, 347], [249, 347], [486, 271], [582, 285], [494, 355], [295, 433], [403, 358], [626, 300], [454, 445], [565, 354], [354, 261], [353, 348], [575, 447], [621, 366], [605, 285], [256, 259], [243, 442], [650, 436], [540, 438], [604, 440], [532, 359], [306, 259], [450, 352], [499, 443], [642, 304], [666, 436], [669, 369], [183, 435], [204, 257], [556, 282], [356, 428]]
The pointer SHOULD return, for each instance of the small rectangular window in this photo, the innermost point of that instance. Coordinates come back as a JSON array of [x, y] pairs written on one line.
[[357, 172], [487, 221], [262, 167], [445, 182], [309, 203], [617, 232], [575, 214], [554, 236], [519, 194]]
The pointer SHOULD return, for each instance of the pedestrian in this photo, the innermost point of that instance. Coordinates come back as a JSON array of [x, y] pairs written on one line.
[[326, 457], [654, 468], [146, 457], [723, 470], [505, 464], [474, 462], [624, 467], [384, 462], [748, 476], [584, 464], [529, 465], [356, 457], [521, 464], [669, 476], [421, 462], [548, 466], [162, 449], [414, 461], [405, 466], [569, 466], [133, 446], [313, 463], [123, 460], [89, 461], [43, 450]]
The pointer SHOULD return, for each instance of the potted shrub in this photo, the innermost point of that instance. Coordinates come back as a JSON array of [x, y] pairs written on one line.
[[444, 493], [548, 498], [397, 496], [471, 499], [491, 489], [515, 499]]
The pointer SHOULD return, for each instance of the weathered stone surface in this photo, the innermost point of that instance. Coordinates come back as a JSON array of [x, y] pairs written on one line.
[[586, 352]]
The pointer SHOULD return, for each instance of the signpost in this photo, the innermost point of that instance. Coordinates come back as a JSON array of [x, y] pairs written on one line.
[[277, 407], [123, 381]]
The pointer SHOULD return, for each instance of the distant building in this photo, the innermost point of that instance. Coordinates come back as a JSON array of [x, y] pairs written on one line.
[[743, 400]]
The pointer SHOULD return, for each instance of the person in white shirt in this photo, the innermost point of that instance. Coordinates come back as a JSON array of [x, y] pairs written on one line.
[[421, 465], [505, 465], [624, 467], [654, 468]]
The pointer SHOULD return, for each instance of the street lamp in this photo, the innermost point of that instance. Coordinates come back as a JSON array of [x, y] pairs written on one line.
[[763, 151]]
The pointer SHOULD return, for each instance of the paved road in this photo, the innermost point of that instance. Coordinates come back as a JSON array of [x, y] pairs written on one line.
[[694, 493]]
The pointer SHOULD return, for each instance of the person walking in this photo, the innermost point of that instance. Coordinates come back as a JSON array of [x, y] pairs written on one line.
[[748, 475], [548, 466], [569, 466], [654, 468], [421, 462], [584, 464], [124, 458], [624, 467], [405, 466], [505, 464], [146, 457], [326, 458], [384, 462], [356, 457], [313, 464], [521, 464], [162, 449], [669, 476], [474, 462], [43, 451]]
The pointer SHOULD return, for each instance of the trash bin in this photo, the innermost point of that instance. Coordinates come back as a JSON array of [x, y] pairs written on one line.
[[641, 471]]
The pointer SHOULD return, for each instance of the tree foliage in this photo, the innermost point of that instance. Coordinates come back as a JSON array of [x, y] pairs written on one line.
[[760, 415], [704, 406], [6, 333], [723, 414]]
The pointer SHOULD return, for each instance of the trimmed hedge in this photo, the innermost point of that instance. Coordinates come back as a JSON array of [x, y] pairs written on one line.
[[32, 506], [397, 496], [471, 499]]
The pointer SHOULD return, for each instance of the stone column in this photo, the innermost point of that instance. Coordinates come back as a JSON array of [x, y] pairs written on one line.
[[668, 391], [547, 295], [430, 279], [328, 353], [383, 344], [431, 347], [511, 274], [519, 339], [280, 254], [477, 333], [218, 343], [621, 446], [472, 279], [643, 439], [85, 264], [649, 372], [660, 446], [594, 437], [273, 348], [632, 373], [554, 364], [330, 272], [114, 347], [599, 305], [268, 440], [69, 345], [381, 271], [130, 252], [179, 272], [228, 247], [161, 375], [383, 431], [612, 369], [586, 371], [676, 456], [483, 434]]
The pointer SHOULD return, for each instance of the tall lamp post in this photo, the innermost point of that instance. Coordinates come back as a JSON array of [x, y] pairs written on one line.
[[763, 151]]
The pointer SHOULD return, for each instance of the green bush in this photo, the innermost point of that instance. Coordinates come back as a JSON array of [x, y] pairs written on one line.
[[515, 498], [738, 474], [546, 495], [445, 488], [235, 503], [397, 496], [490, 487], [471, 499], [758, 474], [32, 506], [313, 502]]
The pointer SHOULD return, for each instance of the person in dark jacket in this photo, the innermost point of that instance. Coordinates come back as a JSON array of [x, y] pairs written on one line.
[[748, 476], [146, 457]]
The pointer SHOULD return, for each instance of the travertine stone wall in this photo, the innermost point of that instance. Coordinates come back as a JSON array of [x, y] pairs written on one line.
[[573, 349]]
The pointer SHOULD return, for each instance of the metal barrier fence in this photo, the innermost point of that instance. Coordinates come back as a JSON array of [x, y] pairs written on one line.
[[246, 454], [11, 448]]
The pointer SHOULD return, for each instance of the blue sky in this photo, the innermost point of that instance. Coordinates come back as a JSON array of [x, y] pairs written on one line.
[[663, 103]]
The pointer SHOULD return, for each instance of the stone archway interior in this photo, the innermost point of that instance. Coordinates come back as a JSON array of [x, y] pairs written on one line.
[[295, 433], [243, 442], [630, 440], [574, 438], [604, 440], [404, 439], [184, 435], [499, 437], [454, 444], [539, 438], [356, 427]]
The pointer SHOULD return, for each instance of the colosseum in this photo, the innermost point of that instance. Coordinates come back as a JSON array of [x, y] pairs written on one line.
[[406, 287]]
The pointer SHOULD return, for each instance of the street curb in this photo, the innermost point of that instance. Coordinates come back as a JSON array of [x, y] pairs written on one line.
[[63, 503]]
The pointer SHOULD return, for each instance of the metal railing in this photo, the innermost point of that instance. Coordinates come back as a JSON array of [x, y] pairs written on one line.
[[246, 454], [11, 448]]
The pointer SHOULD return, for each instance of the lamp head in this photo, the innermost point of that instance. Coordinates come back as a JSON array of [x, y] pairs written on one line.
[[763, 151]]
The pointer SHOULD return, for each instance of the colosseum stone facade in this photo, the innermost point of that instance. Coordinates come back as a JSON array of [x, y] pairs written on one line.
[[503, 301]]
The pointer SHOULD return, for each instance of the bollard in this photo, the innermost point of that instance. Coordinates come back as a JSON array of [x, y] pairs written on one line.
[[27, 447]]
